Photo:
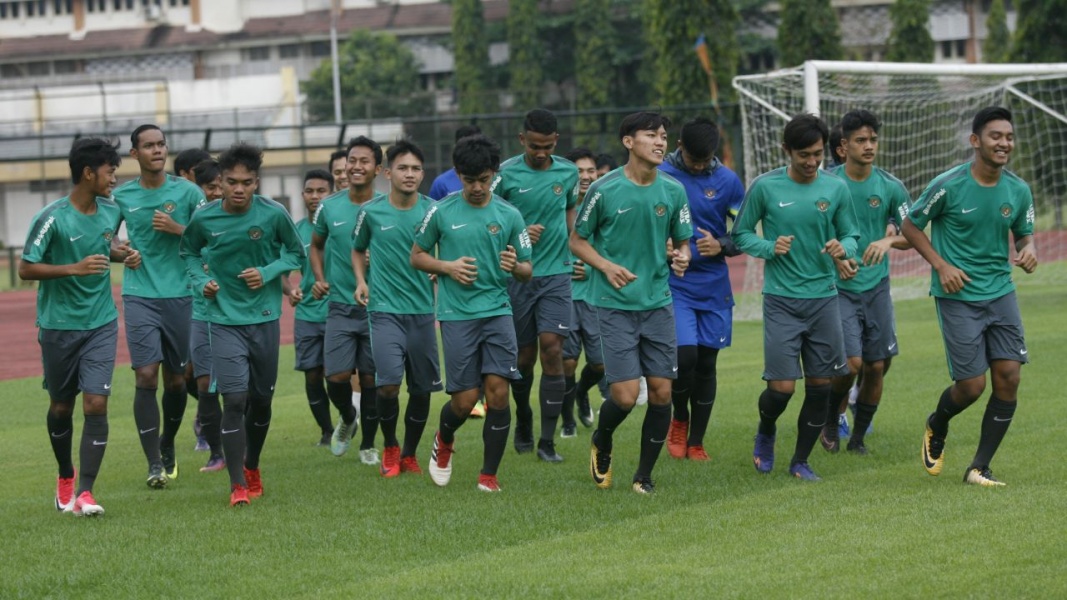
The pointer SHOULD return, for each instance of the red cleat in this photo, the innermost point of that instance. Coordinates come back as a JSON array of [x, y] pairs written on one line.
[[255, 484], [390, 461], [238, 495], [488, 483], [677, 436], [696, 453], [65, 493], [410, 464]]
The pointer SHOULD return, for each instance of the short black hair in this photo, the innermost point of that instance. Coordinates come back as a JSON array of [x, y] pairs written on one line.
[[189, 158], [579, 153], [987, 114], [135, 136], [475, 154], [606, 160], [93, 153], [334, 156], [642, 121], [467, 131], [804, 130], [322, 174], [206, 171], [541, 121], [404, 147], [241, 153], [700, 137], [835, 144], [854, 120], [366, 142]]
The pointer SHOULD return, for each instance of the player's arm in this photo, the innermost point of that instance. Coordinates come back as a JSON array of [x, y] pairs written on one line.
[[1022, 231], [847, 232], [952, 279], [360, 245], [121, 252], [517, 256], [94, 264], [617, 275], [292, 254], [744, 232], [189, 249], [681, 233]]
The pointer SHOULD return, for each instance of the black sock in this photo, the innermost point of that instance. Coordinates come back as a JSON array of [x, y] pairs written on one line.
[[192, 389], [174, 404], [771, 406], [611, 416], [257, 424], [833, 405], [415, 416], [61, 434], [811, 419], [946, 409], [682, 386], [653, 434], [146, 418], [520, 393], [368, 416], [210, 420], [569, 394], [340, 393], [388, 414], [319, 403], [864, 416], [588, 379], [234, 438], [94, 442], [705, 386], [551, 397], [450, 422], [495, 437], [995, 423], [605, 388]]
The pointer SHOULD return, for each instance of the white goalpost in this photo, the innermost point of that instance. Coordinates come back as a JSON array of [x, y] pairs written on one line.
[[926, 112]]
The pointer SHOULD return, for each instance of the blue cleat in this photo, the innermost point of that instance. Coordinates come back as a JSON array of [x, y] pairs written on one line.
[[763, 453], [802, 471]]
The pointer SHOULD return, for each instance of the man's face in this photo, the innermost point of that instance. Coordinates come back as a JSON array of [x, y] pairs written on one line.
[[405, 173], [647, 145], [602, 171], [362, 169], [339, 170], [693, 163], [587, 174], [313, 193], [476, 187], [238, 186], [151, 151], [102, 180], [861, 147], [539, 148], [804, 163], [995, 143], [213, 189]]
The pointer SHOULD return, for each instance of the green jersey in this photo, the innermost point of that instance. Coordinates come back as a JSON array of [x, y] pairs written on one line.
[[543, 198], [199, 301], [580, 287], [629, 225], [309, 308], [813, 213], [969, 225], [160, 265], [458, 229], [60, 234], [389, 232], [876, 201], [336, 221], [263, 237]]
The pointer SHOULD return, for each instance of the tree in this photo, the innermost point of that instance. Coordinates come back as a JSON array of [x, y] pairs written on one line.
[[997, 43], [593, 70], [471, 58], [1041, 32], [524, 54], [808, 30], [672, 29], [909, 39], [379, 77]]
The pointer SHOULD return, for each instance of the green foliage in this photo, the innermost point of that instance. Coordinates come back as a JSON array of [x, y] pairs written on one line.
[[472, 58], [671, 30], [808, 30], [1041, 31], [909, 39], [524, 54], [997, 43], [594, 44], [379, 78]]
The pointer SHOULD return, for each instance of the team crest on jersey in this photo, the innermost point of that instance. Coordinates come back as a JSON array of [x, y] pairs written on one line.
[[823, 204], [557, 188], [661, 209], [108, 235], [709, 193], [1005, 211], [168, 207], [874, 201], [493, 228], [255, 233]]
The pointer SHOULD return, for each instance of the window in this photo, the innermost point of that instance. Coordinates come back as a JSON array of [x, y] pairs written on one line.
[[63, 7], [179, 2], [65, 67], [259, 53], [961, 48], [289, 51], [39, 69], [10, 71], [946, 49], [320, 48], [49, 185]]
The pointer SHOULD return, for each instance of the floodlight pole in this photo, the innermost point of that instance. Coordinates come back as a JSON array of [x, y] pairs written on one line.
[[335, 9]]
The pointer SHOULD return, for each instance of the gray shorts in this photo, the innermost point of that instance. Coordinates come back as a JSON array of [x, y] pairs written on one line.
[[347, 343], [308, 340], [245, 357], [541, 305], [200, 348], [638, 342], [406, 343], [802, 329], [585, 333], [78, 360], [478, 347], [157, 331], [977, 332], [867, 323]]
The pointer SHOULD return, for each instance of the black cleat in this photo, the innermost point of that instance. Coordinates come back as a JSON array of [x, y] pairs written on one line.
[[524, 440], [585, 412], [546, 451], [856, 447]]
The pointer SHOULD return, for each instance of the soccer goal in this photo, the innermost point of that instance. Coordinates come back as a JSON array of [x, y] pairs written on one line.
[[926, 112]]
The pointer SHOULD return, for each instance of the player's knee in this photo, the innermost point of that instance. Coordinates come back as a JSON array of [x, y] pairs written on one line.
[[971, 389], [687, 359], [94, 404], [61, 409], [314, 376], [570, 367], [366, 381], [855, 364], [783, 386], [659, 391], [1006, 379], [147, 377], [388, 392], [874, 369]]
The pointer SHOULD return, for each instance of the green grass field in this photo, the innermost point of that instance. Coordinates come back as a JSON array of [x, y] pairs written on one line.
[[875, 527]]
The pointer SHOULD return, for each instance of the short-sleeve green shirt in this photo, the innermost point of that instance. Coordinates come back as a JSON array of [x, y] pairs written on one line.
[[336, 221], [309, 308], [389, 232]]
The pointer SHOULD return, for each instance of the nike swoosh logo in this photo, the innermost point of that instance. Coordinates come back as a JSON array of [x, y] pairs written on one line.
[[495, 428], [99, 443], [261, 424], [338, 224], [136, 208], [785, 204], [561, 326], [675, 369], [230, 431], [551, 402], [891, 346], [625, 210], [810, 424], [657, 441], [107, 386], [184, 362], [62, 435], [969, 210], [1023, 352], [74, 239], [217, 233], [999, 420], [438, 382], [384, 228], [144, 431], [513, 369], [722, 339], [459, 226], [523, 191]]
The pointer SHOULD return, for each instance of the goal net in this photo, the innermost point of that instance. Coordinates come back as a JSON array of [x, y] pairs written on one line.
[[926, 112]]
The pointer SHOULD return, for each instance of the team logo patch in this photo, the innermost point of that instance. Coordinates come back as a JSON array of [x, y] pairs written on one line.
[[661, 209], [709, 193], [557, 189], [255, 233], [874, 202], [168, 207], [493, 228], [823, 204], [1005, 211], [108, 235]]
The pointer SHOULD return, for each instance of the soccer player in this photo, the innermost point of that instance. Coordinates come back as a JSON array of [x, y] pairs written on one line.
[[838, 155], [68, 249], [187, 160], [545, 190], [251, 242], [309, 326], [878, 200], [605, 163], [480, 242], [448, 182], [339, 170], [807, 218], [347, 346], [703, 299], [626, 222], [156, 298], [970, 209], [399, 300]]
